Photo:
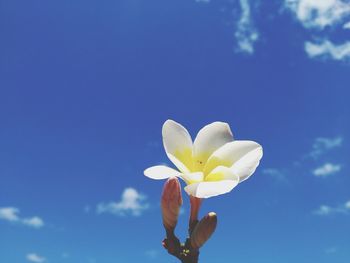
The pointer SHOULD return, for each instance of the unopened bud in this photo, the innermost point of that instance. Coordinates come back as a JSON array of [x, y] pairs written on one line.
[[203, 230], [171, 203]]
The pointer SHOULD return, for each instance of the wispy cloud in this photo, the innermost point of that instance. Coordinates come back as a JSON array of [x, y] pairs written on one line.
[[328, 49], [153, 144], [202, 1], [131, 203], [325, 210], [319, 13], [331, 250], [87, 209], [65, 255], [327, 169], [11, 214], [316, 16], [273, 172], [346, 25], [91, 260], [246, 34], [276, 174], [35, 221], [33, 257], [152, 253], [322, 145]]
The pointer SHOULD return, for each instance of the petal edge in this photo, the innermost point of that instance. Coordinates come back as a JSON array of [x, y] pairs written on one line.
[[177, 143], [210, 189], [160, 172]]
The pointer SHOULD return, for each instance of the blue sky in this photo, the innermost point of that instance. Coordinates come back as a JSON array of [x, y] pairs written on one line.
[[85, 87]]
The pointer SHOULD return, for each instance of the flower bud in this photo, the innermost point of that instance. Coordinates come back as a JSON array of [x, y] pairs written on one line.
[[203, 230], [171, 203]]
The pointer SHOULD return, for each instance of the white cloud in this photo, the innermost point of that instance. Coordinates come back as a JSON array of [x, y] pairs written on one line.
[[275, 173], [346, 25], [11, 214], [246, 34], [328, 49], [132, 202], [327, 169], [35, 222], [319, 13], [33, 257], [331, 250], [321, 145], [347, 205], [325, 210]]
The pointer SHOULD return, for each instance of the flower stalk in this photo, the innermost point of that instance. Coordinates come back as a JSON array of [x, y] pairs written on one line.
[[195, 206], [199, 231]]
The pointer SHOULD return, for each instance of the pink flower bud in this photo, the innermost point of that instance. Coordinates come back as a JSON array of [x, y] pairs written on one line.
[[203, 230], [171, 203]]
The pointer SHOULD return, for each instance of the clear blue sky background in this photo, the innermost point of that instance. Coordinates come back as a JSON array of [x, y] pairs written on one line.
[[85, 87]]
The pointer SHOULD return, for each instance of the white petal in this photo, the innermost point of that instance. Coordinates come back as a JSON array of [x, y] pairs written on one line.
[[160, 172], [190, 178], [178, 144], [246, 166], [209, 189], [230, 153], [208, 140], [221, 173]]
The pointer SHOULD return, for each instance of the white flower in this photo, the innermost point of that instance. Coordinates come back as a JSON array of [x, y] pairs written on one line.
[[211, 165]]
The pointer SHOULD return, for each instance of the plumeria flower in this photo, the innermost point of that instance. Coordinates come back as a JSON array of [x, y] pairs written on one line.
[[211, 165]]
